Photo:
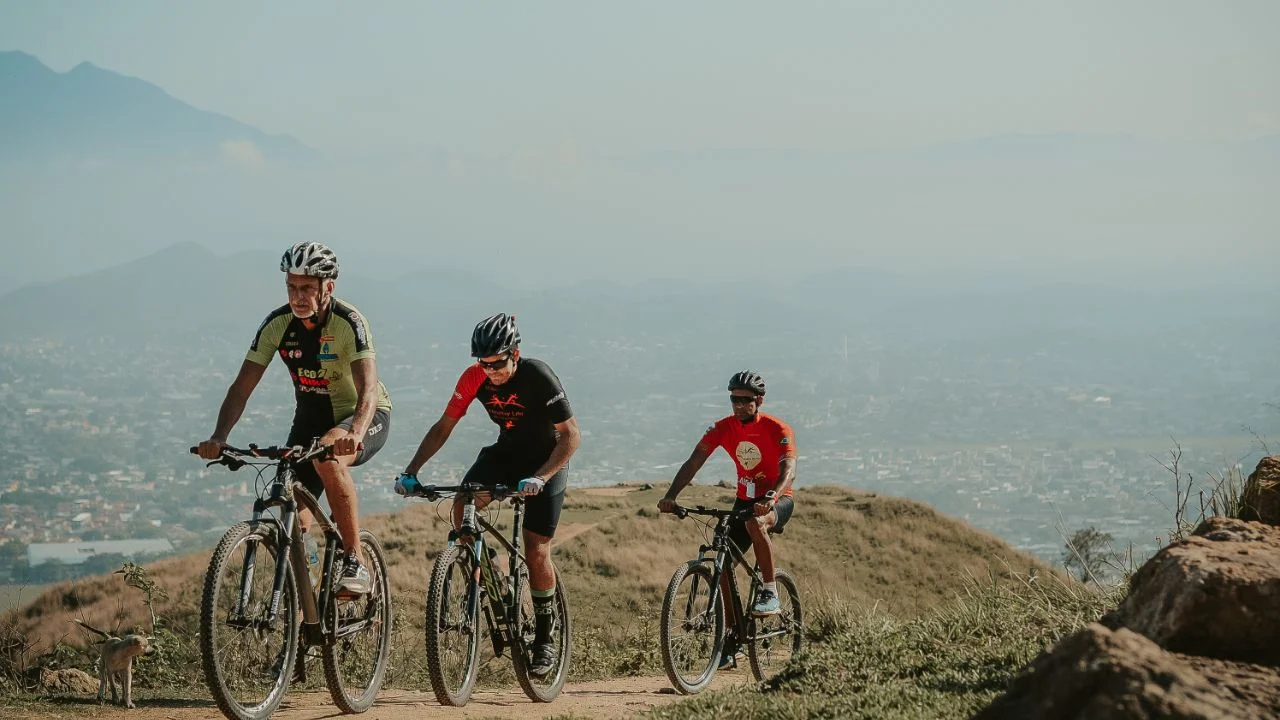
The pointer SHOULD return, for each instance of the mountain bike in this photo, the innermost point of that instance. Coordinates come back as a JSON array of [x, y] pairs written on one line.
[[694, 628], [249, 626], [467, 583]]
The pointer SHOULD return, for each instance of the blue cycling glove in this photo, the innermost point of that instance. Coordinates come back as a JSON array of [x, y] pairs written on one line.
[[408, 485]]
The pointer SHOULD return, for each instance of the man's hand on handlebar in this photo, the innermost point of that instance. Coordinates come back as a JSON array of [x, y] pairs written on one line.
[[211, 449], [348, 444], [667, 505]]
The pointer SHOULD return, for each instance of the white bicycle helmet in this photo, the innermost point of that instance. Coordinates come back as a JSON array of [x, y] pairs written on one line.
[[310, 258]]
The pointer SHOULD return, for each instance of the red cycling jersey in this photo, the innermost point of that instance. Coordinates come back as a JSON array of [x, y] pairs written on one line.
[[757, 449]]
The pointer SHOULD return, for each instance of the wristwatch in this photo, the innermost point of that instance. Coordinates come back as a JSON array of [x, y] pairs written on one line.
[[772, 497]]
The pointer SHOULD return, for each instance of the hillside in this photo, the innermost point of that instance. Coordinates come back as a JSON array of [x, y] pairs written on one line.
[[616, 554]]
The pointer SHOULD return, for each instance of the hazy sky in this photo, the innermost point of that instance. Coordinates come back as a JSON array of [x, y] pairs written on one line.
[[352, 77]]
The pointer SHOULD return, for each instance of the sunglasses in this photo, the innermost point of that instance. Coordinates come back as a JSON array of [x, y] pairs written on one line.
[[742, 399], [494, 364]]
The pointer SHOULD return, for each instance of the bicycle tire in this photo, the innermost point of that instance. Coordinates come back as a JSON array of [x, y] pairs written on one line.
[[789, 621], [438, 605], [698, 574], [222, 680], [544, 689], [375, 607]]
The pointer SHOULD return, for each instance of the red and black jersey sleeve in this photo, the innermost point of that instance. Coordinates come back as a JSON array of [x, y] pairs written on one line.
[[464, 392]]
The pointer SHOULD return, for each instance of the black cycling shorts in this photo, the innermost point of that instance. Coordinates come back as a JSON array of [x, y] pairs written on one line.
[[738, 529], [372, 442], [541, 511]]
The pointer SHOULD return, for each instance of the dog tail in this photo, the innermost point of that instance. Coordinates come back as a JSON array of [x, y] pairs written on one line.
[[87, 626]]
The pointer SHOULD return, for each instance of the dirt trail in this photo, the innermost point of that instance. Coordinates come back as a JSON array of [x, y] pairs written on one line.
[[616, 698], [568, 531]]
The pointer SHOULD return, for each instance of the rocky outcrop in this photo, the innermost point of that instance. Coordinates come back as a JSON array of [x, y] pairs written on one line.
[[1198, 635], [1216, 594], [1261, 498], [1101, 674], [68, 681]]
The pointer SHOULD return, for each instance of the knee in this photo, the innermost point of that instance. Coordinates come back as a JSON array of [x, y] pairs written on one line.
[[758, 528], [537, 545], [331, 474]]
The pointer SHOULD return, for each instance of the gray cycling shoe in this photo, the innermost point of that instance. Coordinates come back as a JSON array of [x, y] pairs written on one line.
[[355, 577]]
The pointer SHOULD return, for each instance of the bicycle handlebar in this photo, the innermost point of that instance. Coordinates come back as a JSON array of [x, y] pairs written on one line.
[[435, 492], [683, 512], [235, 458]]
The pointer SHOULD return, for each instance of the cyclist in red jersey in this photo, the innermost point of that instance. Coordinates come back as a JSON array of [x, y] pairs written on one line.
[[763, 449], [537, 434]]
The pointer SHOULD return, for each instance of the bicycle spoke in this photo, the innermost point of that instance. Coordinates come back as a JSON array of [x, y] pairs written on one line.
[[355, 662], [692, 629]]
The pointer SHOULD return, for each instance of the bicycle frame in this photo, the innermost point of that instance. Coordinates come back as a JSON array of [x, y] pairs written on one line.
[[286, 493], [499, 614], [726, 557]]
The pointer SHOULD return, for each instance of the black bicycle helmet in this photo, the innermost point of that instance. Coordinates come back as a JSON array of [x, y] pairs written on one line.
[[495, 335], [747, 380]]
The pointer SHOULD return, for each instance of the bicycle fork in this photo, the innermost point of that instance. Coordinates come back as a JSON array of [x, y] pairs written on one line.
[[722, 568]]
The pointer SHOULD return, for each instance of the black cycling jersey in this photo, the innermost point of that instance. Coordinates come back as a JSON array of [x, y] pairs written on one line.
[[526, 408]]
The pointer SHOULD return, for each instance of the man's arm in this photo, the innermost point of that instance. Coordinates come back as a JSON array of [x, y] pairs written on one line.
[[568, 438], [232, 407], [786, 475], [364, 374], [684, 476], [431, 443]]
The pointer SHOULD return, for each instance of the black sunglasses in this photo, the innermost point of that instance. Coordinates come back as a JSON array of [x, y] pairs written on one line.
[[494, 364], [742, 399]]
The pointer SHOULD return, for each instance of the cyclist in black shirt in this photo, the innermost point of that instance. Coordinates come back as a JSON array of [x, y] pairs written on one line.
[[537, 434]]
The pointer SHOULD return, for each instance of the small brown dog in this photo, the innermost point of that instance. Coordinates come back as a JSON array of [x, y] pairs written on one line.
[[116, 663]]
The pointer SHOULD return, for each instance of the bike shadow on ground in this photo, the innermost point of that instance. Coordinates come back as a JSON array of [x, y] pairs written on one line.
[[140, 702]]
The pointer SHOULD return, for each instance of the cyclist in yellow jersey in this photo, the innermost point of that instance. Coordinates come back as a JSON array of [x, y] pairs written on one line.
[[327, 347]]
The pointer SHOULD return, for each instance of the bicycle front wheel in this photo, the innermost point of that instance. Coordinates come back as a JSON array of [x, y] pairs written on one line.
[[453, 626], [773, 640], [247, 653], [691, 631], [356, 661], [547, 687]]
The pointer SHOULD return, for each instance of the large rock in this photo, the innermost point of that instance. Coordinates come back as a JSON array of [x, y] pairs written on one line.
[[1262, 493], [68, 681], [1215, 594], [1100, 674]]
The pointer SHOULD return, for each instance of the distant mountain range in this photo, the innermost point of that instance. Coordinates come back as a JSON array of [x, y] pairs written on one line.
[[188, 289], [97, 168], [88, 113]]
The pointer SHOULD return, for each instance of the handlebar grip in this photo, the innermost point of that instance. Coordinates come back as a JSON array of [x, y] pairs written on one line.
[[681, 512], [194, 450]]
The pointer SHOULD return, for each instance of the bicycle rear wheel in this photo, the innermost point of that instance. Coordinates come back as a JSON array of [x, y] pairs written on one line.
[[547, 687], [453, 626], [773, 640], [691, 632], [247, 658], [356, 661]]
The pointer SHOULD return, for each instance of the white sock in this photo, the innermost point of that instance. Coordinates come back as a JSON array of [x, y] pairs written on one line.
[[771, 587]]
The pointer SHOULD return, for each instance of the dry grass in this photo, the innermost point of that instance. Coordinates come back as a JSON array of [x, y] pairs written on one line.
[[858, 549]]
